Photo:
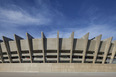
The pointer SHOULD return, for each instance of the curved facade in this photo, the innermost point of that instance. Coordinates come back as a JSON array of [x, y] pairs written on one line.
[[58, 50], [57, 54]]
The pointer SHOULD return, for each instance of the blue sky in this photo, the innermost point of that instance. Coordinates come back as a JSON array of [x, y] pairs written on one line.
[[81, 16]]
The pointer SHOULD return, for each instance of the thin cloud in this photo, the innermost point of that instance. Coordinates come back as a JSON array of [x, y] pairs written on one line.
[[94, 30], [41, 14], [43, 17], [21, 17]]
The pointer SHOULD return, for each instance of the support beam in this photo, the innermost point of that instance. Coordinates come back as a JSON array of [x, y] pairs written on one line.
[[58, 47], [113, 52], [1, 55], [85, 37], [17, 42], [97, 45], [93, 38], [29, 39], [43, 46], [6, 43], [108, 43], [71, 50]]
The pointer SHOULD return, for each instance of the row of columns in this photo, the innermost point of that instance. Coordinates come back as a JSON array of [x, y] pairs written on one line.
[[85, 37]]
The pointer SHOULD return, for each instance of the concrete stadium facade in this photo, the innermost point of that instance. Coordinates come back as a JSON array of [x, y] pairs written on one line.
[[57, 54]]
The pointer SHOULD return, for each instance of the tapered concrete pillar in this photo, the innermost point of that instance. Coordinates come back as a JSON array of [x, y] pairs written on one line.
[[43, 46], [6, 43], [108, 43], [58, 47], [71, 50], [97, 45], [1, 55], [17, 42], [113, 52], [29, 39], [85, 37]]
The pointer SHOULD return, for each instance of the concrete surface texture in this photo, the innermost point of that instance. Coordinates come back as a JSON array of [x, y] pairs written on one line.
[[58, 50], [57, 54], [31, 74], [56, 67]]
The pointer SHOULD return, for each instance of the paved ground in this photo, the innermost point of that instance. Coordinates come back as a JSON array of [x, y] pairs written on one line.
[[24, 74]]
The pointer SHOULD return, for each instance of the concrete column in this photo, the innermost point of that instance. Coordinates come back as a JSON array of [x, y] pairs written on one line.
[[6, 43], [108, 43], [1, 56], [29, 39], [57, 47], [17, 41], [113, 52], [98, 39], [71, 50], [43, 46], [85, 37]]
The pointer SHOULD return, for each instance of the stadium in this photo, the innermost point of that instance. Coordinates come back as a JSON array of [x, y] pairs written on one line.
[[57, 55]]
